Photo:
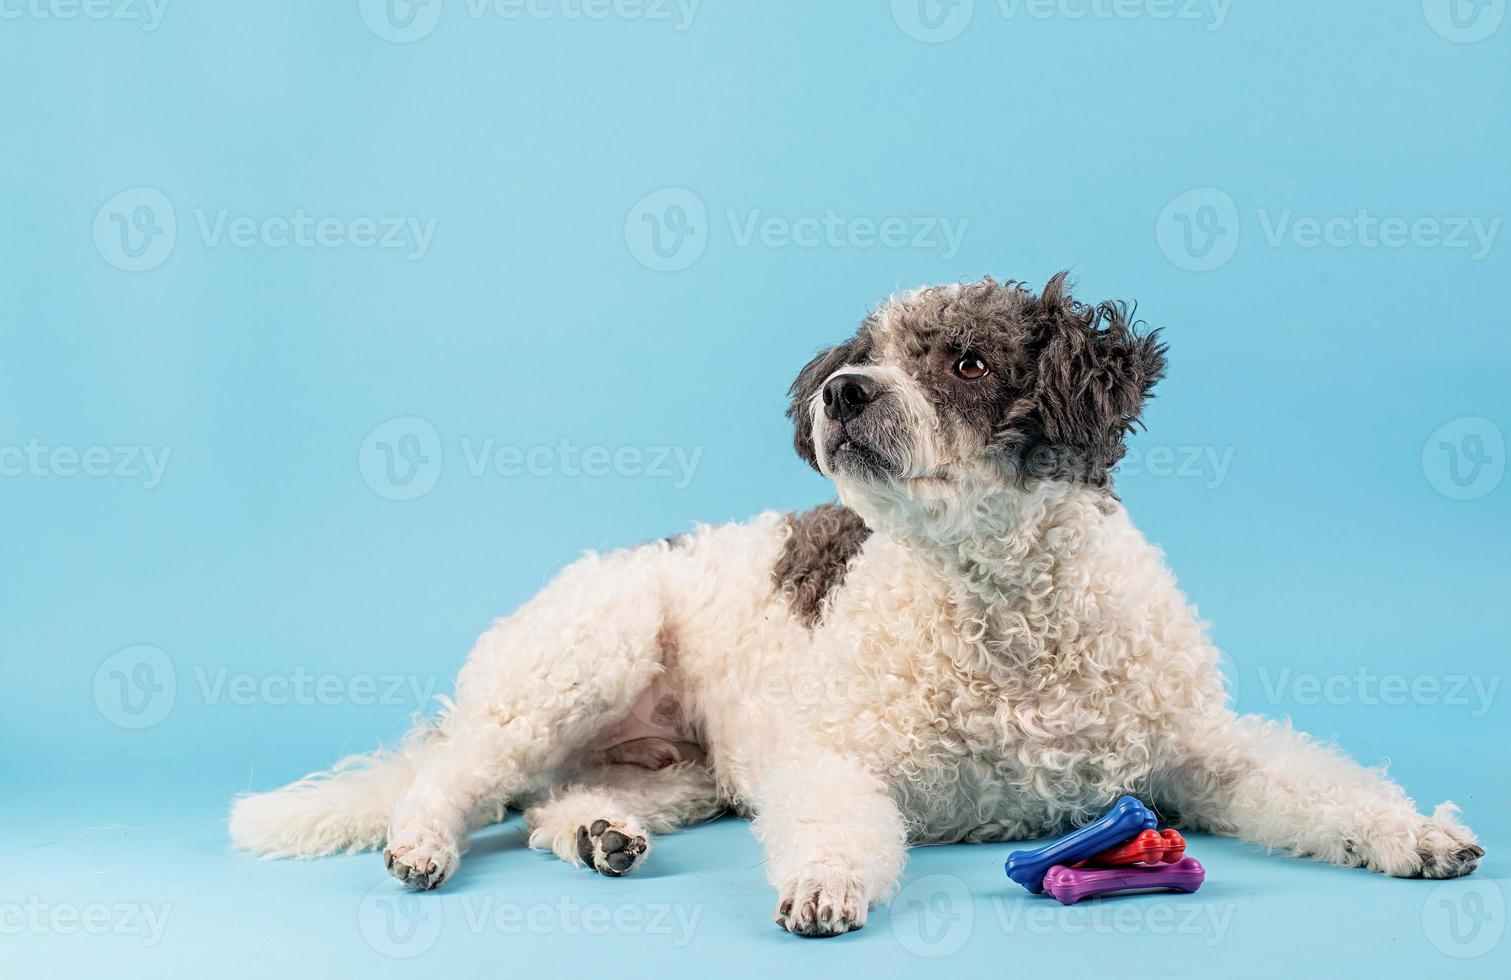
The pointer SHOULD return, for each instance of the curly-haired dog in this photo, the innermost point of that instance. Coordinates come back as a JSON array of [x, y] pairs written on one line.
[[977, 646]]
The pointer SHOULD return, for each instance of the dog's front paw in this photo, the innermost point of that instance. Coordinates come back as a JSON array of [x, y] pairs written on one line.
[[821, 901], [1429, 847], [613, 848], [421, 856]]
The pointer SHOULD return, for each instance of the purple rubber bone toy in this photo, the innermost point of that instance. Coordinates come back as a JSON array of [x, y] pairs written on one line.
[[1070, 885], [1123, 822]]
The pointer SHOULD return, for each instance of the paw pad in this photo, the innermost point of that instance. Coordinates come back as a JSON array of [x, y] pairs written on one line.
[[611, 849]]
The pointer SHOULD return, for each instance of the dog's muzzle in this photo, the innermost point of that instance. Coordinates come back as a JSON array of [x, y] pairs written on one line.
[[855, 426]]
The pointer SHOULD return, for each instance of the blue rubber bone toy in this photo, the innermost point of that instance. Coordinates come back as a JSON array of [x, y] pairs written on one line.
[[1122, 823]]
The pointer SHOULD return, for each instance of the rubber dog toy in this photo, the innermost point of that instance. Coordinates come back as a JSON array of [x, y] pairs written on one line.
[[1126, 818], [1149, 847], [1070, 885]]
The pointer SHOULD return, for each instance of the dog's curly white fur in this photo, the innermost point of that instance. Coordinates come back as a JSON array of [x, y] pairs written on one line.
[[981, 647]]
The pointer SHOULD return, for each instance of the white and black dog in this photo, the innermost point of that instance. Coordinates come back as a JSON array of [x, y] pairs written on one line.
[[977, 646]]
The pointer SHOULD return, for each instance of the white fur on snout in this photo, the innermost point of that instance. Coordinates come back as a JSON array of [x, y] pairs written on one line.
[[916, 450]]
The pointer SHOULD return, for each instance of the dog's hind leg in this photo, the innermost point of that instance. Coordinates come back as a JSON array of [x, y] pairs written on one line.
[[606, 817], [537, 688], [1259, 780]]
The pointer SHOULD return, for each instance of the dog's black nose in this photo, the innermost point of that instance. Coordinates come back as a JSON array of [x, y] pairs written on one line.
[[847, 395]]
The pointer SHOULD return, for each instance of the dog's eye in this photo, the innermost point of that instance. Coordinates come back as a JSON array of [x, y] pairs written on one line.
[[971, 368]]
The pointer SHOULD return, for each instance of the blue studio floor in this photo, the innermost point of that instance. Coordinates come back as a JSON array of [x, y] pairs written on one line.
[[139, 881]]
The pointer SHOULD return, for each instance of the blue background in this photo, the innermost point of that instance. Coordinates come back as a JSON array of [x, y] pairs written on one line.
[[542, 148]]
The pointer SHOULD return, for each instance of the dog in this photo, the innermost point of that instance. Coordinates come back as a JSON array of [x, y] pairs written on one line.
[[975, 644]]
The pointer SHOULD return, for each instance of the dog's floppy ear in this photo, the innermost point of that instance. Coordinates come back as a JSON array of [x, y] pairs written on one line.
[[1095, 369], [806, 386]]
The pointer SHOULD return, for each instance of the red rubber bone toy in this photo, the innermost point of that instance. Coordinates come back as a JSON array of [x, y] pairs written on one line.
[[1149, 847]]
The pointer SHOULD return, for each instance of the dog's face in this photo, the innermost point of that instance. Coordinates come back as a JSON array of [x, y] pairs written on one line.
[[981, 384]]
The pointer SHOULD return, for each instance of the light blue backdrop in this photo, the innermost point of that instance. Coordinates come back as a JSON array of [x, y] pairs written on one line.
[[577, 249]]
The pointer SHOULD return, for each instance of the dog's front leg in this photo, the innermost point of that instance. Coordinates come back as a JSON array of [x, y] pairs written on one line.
[[1253, 778], [834, 838]]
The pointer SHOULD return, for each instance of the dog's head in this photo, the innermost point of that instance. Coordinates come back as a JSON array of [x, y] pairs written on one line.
[[982, 384]]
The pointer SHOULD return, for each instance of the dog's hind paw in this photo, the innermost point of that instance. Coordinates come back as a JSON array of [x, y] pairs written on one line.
[[822, 902], [613, 848], [1447, 852], [1455, 864], [1435, 847], [421, 856]]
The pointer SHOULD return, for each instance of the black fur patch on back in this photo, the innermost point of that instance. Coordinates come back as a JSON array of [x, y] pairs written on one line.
[[820, 543]]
